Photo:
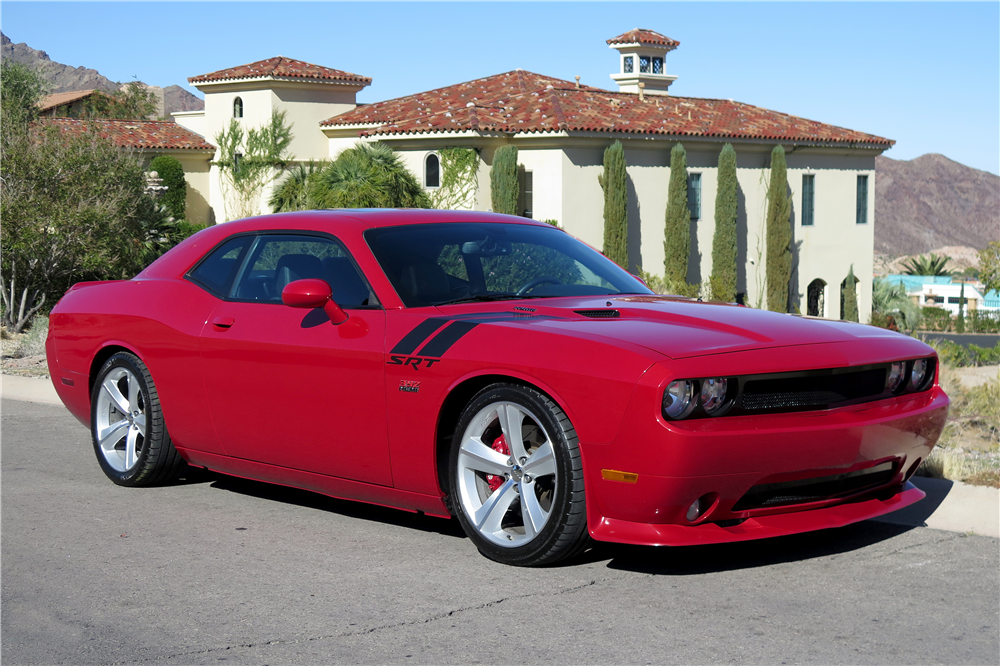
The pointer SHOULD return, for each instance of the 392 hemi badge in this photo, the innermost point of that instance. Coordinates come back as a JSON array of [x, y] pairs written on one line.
[[409, 386]]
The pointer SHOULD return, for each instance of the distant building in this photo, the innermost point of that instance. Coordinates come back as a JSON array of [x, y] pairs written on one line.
[[562, 128], [943, 292]]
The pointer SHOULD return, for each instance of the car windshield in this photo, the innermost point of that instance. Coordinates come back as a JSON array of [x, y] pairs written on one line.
[[434, 264]]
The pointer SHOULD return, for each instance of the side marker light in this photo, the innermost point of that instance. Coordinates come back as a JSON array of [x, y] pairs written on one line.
[[615, 475]]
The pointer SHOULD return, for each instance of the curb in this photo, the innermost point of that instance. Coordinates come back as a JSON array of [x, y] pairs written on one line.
[[950, 505]]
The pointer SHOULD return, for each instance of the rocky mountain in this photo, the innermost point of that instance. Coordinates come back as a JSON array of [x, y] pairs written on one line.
[[931, 202], [64, 78]]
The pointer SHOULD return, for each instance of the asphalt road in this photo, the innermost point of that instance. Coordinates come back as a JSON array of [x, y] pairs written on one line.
[[224, 570], [965, 339]]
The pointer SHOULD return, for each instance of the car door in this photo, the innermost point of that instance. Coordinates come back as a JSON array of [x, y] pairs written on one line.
[[286, 386]]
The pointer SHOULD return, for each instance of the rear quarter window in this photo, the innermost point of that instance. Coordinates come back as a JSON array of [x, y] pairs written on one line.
[[216, 272]]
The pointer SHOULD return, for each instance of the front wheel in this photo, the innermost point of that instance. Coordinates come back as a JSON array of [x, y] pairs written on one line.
[[517, 478], [126, 423]]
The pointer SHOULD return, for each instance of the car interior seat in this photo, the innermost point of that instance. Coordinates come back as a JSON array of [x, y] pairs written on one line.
[[425, 283], [349, 290], [292, 267]]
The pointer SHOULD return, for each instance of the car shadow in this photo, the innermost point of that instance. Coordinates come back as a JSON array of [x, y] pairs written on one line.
[[694, 560], [349, 508]]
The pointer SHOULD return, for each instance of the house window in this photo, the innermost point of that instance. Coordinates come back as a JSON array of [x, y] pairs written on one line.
[[627, 66], [694, 195], [862, 215], [815, 297], [644, 64], [808, 193], [432, 171], [525, 202], [237, 108], [657, 65]]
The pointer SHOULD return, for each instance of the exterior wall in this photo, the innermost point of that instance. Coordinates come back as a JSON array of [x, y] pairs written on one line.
[[192, 120], [305, 105], [566, 189]]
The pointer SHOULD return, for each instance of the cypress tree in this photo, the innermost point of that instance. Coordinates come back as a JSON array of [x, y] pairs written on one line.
[[170, 170], [960, 322], [723, 279], [503, 181], [677, 231], [779, 236], [850, 295], [613, 182]]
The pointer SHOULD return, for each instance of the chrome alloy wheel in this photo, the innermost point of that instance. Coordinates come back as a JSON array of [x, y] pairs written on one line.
[[507, 474], [120, 419]]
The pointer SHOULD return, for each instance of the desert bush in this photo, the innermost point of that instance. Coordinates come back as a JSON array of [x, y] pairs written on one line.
[[170, 170], [32, 343], [935, 319]]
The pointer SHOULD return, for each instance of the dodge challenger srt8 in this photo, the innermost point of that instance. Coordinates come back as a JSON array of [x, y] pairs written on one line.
[[494, 369]]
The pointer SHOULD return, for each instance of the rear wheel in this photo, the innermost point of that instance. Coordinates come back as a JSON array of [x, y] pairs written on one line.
[[517, 479], [126, 423]]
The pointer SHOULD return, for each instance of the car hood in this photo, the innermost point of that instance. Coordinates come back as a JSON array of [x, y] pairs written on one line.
[[672, 326]]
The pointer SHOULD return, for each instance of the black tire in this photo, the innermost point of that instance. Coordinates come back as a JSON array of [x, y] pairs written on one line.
[[489, 480], [137, 450]]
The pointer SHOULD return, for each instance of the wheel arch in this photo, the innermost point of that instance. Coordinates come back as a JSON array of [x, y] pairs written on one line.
[[451, 411], [101, 357]]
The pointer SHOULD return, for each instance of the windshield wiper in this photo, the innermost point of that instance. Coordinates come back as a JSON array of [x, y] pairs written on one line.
[[483, 297]]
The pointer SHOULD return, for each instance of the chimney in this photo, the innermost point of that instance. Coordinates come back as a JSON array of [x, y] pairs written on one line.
[[642, 90], [578, 82]]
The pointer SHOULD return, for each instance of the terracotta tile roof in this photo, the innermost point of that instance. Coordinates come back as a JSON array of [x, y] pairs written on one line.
[[280, 67], [643, 36], [518, 102], [141, 134], [58, 99]]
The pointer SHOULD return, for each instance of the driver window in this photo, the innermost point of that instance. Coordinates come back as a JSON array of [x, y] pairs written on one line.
[[277, 260]]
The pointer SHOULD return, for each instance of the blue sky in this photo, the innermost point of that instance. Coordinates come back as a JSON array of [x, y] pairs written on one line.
[[925, 74]]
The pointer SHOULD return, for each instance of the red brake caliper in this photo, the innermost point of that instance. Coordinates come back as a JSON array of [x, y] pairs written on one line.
[[492, 480]]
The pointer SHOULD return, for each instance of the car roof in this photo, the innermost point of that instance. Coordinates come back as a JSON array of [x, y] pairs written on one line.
[[340, 222]]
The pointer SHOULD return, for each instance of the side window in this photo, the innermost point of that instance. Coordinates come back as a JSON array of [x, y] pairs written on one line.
[[432, 171], [237, 108], [277, 260], [217, 271]]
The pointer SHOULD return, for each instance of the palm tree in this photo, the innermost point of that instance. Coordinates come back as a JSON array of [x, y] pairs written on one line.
[[889, 299], [930, 264], [369, 175], [291, 193]]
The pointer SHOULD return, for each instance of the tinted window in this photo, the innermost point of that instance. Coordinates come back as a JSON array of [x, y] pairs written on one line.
[[430, 264], [217, 271], [277, 260]]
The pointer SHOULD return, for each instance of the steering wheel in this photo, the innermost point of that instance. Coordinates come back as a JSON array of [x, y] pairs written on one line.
[[531, 284]]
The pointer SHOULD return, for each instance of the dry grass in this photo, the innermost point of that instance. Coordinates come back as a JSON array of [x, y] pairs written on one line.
[[969, 448]]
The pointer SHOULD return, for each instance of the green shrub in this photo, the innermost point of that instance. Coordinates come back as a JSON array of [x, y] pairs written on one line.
[[724, 252], [983, 321], [170, 170], [936, 319], [677, 227], [954, 354], [32, 343], [504, 190], [614, 182], [778, 266]]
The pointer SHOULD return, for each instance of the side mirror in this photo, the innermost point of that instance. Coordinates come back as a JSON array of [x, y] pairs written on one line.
[[310, 294]]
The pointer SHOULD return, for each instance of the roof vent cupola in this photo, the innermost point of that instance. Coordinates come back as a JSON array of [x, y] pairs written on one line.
[[641, 54]]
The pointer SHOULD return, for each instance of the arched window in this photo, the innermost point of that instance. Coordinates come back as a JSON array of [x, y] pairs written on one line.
[[815, 298], [432, 171], [237, 108]]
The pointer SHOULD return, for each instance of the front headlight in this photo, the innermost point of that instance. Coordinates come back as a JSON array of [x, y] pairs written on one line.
[[918, 375], [678, 399], [713, 394], [894, 381]]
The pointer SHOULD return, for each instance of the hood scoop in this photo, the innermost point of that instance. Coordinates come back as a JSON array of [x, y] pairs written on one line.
[[599, 314]]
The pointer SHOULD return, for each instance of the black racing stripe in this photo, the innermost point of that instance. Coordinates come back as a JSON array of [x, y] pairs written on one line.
[[420, 332], [443, 341]]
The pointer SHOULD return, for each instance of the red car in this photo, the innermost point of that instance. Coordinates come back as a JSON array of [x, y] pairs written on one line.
[[495, 369]]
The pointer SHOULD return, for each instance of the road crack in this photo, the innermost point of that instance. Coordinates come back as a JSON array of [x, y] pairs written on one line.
[[371, 630]]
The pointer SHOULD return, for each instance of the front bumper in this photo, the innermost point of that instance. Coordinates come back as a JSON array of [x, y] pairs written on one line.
[[756, 476]]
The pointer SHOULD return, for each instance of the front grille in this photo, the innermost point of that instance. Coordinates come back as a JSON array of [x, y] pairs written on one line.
[[599, 314], [816, 489], [815, 390]]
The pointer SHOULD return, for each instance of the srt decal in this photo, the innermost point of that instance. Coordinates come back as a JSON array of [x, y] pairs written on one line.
[[433, 337]]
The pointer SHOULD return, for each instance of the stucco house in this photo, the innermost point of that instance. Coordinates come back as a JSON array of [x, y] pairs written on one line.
[[562, 128]]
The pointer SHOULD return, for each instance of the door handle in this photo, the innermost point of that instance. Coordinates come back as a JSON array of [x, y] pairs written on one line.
[[223, 323]]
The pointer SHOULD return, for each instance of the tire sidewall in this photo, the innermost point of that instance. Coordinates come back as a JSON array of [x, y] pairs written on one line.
[[132, 363], [535, 402]]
